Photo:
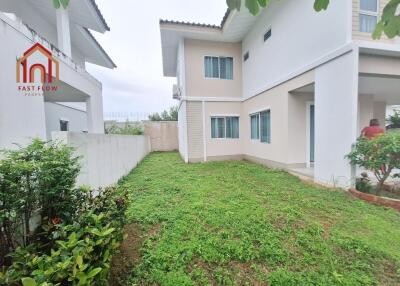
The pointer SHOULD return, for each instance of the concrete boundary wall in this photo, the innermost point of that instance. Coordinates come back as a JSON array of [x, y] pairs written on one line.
[[105, 158], [163, 135]]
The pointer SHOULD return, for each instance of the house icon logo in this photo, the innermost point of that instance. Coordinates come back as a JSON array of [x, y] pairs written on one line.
[[26, 70]]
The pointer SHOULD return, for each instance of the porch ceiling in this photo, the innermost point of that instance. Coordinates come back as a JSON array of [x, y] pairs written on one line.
[[384, 89], [65, 93]]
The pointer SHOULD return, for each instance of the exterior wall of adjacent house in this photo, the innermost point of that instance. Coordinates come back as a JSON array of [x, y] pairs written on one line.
[[182, 131], [298, 39], [196, 85], [357, 35], [23, 117], [77, 119]]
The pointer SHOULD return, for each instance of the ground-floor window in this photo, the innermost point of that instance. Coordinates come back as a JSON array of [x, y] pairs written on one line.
[[225, 127], [255, 126], [261, 126]]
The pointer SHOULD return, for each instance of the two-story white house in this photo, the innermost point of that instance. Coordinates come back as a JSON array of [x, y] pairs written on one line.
[[290, 88], [43, 53]]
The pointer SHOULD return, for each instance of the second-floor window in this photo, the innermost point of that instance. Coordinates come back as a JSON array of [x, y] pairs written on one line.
[[218, 67], [369, 12]]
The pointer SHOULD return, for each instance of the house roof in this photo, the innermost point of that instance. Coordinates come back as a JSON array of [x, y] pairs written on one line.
[[203, 25], [233, 28], [100, 15], [84, 15]]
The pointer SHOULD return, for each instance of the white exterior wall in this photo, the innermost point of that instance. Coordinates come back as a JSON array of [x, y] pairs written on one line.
[[298, 39], [105, 158], [23, 117], [55, 112], [336, 114]]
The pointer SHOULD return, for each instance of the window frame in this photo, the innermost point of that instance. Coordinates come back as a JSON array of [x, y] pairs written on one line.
[[259, 140], [258, 125], [62, 121], [224, 117], [219, 67], [368, 13]]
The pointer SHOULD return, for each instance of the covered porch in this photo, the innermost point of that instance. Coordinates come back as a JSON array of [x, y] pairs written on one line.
[[326, 117]]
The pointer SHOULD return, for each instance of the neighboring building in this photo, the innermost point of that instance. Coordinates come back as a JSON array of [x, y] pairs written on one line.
[[47, 48], [63, 117], [289, 88]]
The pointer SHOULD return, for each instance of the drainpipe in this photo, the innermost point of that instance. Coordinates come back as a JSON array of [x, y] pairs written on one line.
[[204, 131]]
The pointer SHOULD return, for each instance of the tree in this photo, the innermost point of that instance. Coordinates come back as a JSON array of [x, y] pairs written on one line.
[[388, 25], [380, 155], [171, 115]]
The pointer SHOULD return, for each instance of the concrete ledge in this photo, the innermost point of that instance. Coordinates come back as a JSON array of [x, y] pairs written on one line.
[[387, 202]]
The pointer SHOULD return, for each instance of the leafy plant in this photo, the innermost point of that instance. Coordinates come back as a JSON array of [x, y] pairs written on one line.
[[127, 129], [394, 119], [35, 181], [58, 3], [82, 251], [380, 155], [389, 23], [171, 115]]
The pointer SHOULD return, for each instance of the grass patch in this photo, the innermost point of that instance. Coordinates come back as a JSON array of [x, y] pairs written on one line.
[[238, 223]]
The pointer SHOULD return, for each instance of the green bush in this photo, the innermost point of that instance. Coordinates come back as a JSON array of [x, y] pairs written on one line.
[[82, 251], [35, 181], [394, 119], [380, 155], [127, 129]]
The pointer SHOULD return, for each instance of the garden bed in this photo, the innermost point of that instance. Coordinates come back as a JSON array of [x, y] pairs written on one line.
[[378, 200]]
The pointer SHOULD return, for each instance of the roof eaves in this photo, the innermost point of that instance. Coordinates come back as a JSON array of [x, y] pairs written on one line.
[[201, 25], [101, 48], [96, 8]]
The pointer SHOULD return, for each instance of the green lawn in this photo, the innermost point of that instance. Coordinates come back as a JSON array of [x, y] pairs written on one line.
[[238, 223]]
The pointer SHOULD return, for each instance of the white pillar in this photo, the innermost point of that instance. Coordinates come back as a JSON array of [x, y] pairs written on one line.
[[63, 31], [94, 111], [336, 119]]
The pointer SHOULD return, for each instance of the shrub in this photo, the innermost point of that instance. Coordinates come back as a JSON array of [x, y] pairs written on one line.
[[380, 155], [394, 119], [128, 129], [82, 251], [35, 181]]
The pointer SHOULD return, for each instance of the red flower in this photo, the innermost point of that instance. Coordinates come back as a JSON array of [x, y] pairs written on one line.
[[56, 220]]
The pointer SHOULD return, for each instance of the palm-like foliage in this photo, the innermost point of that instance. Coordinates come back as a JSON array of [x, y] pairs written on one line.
[[58, 3]]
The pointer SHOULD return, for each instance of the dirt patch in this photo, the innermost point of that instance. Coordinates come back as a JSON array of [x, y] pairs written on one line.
[[128, 254]]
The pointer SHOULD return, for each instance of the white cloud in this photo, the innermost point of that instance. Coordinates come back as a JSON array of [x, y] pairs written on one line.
[[134, 43]]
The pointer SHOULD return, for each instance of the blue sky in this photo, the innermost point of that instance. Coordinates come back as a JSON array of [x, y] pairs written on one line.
[[134, 43]]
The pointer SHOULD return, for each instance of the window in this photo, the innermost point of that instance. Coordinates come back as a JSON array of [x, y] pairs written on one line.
[[246, 56], [261, 126], [255, 126], [218, 67], [368, 15], [265, 126], [225, 127], [267, 35], [64, 125]]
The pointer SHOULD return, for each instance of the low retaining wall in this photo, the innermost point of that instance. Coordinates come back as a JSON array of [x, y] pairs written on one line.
[[105, 158], [163, 135], [387, 202]]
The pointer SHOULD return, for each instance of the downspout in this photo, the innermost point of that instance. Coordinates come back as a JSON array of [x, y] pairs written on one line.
[[204, 131]]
